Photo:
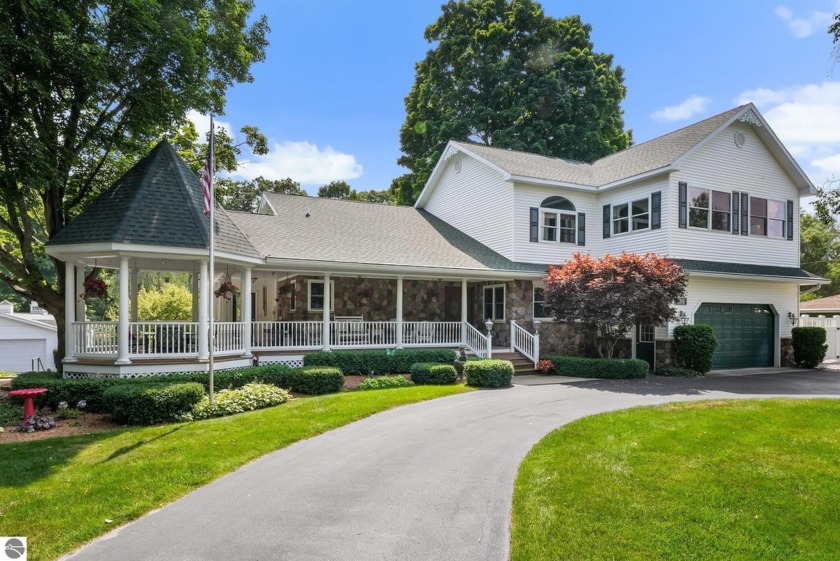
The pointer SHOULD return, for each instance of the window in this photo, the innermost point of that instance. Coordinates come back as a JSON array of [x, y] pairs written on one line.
[[633, 216], [540, 311], [709, 209], [558, 226], [316, 296], [767, 217], [494, 302]]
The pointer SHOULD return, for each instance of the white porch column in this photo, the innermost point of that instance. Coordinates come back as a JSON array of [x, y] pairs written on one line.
[[246, 309], [325, 335], [135, 291], [80, 302], [122, 328], [69, 310], [399, 312], [463, 311], [203, 309]]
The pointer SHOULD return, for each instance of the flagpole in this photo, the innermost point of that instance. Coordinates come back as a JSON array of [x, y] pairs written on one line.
[[211, 333]]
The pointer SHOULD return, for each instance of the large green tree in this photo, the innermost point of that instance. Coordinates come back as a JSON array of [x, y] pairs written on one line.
[[503, 73], [342, 190], [820, 251], [84, 88]]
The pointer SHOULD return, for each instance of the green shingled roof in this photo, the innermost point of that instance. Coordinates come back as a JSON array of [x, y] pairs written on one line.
[[157, 202], [719, 267]]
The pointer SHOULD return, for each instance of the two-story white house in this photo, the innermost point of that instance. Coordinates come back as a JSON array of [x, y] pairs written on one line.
[[465, 264]]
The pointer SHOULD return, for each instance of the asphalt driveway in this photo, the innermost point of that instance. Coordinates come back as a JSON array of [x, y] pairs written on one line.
[[423, 482]]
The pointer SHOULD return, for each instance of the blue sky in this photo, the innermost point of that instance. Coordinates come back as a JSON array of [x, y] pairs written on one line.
[[329, 95]]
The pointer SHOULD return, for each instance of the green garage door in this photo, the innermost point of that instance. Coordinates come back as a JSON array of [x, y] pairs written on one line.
[[745, 333]]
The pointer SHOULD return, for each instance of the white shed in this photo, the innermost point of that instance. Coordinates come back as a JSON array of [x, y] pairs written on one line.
[[26, 338]]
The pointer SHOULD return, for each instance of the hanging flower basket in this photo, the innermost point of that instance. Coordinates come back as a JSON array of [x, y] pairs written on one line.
[[226, 290], [286, 291], [365, 294], [95, 288]]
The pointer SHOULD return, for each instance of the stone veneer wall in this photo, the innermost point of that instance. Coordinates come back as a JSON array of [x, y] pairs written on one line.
[[786, 349]]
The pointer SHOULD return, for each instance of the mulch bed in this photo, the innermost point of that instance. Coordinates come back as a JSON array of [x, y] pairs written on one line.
[[100, 422]]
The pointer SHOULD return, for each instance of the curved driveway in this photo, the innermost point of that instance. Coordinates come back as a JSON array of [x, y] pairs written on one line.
[[423, 482]]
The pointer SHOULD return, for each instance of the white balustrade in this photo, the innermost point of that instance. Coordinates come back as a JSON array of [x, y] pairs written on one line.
[[431, 333], [286, 335], [94, 338], [162, 338], [477, 342], [524, 342], [229, 337], [363, 334]]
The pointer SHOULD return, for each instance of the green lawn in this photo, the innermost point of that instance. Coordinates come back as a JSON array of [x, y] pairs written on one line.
[[59, 492], [733, 480]]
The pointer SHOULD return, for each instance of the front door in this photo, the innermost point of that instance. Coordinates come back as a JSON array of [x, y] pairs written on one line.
[[646, 345]]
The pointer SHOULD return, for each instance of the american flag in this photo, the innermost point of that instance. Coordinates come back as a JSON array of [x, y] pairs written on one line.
[[208, 172]]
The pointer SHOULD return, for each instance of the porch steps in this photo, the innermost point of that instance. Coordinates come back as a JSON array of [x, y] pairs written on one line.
[[521, 364]]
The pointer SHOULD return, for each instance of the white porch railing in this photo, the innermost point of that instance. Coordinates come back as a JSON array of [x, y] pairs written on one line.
[[229, 337], [162, 338], [363, 334], [287, 334], [524, 342], [431, 333], [94, 338], [477, 342]]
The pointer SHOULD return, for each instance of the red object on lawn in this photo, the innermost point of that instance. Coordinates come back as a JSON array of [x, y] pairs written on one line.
[[27, 395]]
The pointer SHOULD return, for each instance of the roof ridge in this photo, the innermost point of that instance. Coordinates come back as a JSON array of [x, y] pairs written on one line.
[[331, 200], [172, 160], [567, 160]]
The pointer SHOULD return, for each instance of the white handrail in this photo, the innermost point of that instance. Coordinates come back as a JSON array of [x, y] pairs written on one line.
[[477, 342], [524, 342], [286, 334], [94, 338], [162, 338], [229, 337], [431, 333]]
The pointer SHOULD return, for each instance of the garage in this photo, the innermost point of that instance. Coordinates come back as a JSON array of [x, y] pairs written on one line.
[[745, 333]]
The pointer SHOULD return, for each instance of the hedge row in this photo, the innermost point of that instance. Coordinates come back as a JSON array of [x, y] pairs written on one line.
[[365, 362], [311, 381], [385, 382], [149, 403], [488, 373], [433, 373], [809, 346], [599, 367]]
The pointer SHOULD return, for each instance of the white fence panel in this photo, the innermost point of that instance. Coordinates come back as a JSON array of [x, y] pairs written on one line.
[[832, 332]]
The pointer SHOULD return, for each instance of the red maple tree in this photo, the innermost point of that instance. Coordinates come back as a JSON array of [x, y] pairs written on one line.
[[612, 294]]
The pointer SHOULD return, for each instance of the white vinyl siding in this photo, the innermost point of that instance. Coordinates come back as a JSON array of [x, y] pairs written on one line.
[[527, 197], [476, 201], [722, 166], [21, 341]]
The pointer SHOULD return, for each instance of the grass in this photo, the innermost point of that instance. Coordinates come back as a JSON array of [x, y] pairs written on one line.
[[734, 480], [63, 492]]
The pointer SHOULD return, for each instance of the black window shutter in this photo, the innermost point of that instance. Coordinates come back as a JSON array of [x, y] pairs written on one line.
[[581, 218], [683, 205], [535, 224], [656, 210], [606, 221], [736, 213], [745, 214], [789, 225]]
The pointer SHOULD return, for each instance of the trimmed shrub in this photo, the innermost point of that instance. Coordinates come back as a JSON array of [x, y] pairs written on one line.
[[385, 382], [809, 346], [610, 368], [433, 373], [71, 391], [315, 380], [695, 345], [10, 414], [489, 373], [146, 404], [228, 402], [364, 362], [677, 372]]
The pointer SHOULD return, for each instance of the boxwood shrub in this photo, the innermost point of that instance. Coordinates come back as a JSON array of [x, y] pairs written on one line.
[[488, 373], [385, 382], [71, 391], [612, 368], [433, 373], [364, 362], [694, 346], [809, 346], [315, 380], [149, 403]]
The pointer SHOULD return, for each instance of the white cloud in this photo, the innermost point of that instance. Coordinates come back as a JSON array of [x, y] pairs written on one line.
[[302, 161], [807, 121], [202, 124], [805, 26], [692, 106]]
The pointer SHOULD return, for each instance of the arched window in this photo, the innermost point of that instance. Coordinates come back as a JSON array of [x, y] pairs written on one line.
[[558, 218]]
